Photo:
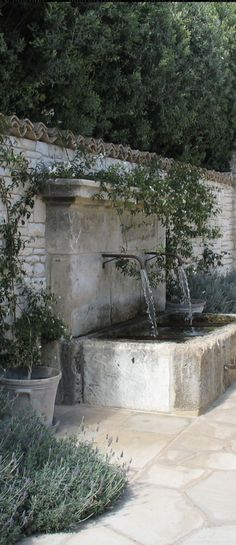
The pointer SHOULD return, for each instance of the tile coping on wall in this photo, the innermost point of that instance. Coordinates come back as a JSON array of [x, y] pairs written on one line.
[[24, 128]]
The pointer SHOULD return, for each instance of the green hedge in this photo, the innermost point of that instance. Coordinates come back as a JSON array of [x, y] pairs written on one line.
[[158, 76]]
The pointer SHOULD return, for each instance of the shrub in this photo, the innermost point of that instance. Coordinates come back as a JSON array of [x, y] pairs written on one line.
[[219, 291], [49, 484], [13, 494], [154, 75]]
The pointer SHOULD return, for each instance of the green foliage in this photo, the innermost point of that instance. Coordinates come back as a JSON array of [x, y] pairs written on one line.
[[158, 76], [179, 199], [219, 291], [5, 404], [26, 314], [39, 313], [81, 165], [49, 485], [13, 492]]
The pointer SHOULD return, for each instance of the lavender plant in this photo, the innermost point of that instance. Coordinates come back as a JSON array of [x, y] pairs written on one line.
[[48, 484]]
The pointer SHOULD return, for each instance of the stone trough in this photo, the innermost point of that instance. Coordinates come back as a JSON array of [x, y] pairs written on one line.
[[182, 372]]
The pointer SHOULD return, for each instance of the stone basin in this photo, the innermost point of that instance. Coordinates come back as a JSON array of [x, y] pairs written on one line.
[[183, 373]]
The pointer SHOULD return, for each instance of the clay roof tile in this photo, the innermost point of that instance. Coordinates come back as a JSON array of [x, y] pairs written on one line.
[[24, 128]]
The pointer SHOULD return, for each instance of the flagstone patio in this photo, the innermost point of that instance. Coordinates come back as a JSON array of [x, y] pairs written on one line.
[[182, 480]]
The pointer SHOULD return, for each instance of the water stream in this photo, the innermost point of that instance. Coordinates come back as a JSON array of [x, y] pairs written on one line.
[[147, 290], [183, 282]]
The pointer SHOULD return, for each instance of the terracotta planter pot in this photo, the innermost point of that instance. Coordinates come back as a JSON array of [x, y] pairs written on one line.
[[39, 391]]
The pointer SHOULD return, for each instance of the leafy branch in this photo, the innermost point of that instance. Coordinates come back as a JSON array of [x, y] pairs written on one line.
[[178, 198], [26, 314]]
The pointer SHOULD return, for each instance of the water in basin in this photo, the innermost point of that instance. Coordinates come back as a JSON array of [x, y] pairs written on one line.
[[175, 331]]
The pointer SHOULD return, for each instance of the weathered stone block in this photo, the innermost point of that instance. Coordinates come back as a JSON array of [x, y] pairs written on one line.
[[39, 269], [159, 376], [37, 243], [28, 268], [127, 374], [24, 144], [39, 212], [36, 229], [71, 366]]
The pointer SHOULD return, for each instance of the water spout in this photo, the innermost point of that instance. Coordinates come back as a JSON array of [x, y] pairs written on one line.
[[147, 290], [163, 254], [183, 281], [148, 295], [113, 257]]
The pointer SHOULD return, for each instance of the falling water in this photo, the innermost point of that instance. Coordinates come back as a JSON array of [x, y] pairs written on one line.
[[147, 290], [183, 282]]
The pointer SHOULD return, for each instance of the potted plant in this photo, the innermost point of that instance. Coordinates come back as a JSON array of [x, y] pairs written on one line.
[[26, 312], [179, 297], [179, 281]]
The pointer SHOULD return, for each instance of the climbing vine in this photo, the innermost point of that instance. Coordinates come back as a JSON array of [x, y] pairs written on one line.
[[26, 314], [178, 198]]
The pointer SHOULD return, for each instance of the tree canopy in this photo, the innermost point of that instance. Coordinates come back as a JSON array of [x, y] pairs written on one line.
[[158, 76]]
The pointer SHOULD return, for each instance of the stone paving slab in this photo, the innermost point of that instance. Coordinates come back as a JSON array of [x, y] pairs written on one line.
[[225, 416], [155, 516], [87, 536], [141, 448], [220, 535], [175, 455], [99, 536], [95, 418], [216, 497], [172, 477], [197, 442], [153, 423], [53, 539], [218, 430], [214, 460], [182, 482]]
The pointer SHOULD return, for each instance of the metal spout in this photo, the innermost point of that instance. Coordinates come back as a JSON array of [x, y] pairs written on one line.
[[166, 254], [114, 257]]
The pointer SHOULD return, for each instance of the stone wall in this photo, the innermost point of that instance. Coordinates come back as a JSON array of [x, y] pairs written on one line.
[[69, 231], [35, 253], [226, 221]]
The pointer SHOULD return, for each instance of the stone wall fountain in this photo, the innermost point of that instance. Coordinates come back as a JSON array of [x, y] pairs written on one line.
[[183, 368], [113, 358]]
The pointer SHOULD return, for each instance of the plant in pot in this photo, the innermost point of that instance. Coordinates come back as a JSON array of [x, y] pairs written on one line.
[[179, 297], [179, 279], [26, 312]]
